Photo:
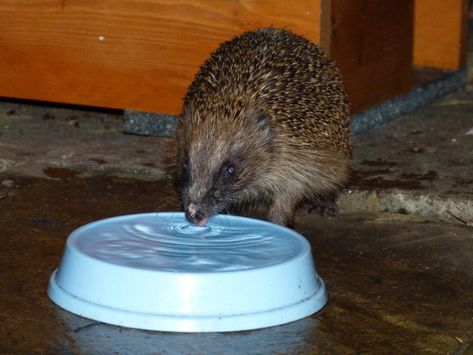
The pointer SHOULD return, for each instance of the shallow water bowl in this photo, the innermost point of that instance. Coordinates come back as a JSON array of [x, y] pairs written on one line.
[[157, 271]]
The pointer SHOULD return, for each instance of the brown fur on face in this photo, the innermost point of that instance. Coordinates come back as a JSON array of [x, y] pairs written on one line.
[[206, 183], [266, 117]]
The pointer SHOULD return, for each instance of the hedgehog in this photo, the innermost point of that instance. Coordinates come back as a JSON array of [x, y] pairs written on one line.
[[265, 119]]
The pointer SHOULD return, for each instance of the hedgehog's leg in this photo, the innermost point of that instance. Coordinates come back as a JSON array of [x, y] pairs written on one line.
[[282, 210], [324, 204]]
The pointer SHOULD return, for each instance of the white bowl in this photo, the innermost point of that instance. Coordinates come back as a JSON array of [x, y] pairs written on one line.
[[157, 271]]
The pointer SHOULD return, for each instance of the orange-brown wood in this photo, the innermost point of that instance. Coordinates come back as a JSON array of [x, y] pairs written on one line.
[[135, 54], [440, 33], [142, 54], [371, 41]]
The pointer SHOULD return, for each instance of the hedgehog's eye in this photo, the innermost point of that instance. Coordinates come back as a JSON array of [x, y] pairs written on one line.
[[229, 170], [185, 167]]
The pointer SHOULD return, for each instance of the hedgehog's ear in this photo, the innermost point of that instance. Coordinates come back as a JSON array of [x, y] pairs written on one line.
[[263, 123]]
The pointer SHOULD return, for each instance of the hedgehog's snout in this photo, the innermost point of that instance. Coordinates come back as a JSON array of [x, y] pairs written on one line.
[[196, 214]]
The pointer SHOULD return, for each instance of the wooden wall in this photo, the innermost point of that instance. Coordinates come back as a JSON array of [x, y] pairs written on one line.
[[142, 54], [371, 41], [440, 33], [136, 54]]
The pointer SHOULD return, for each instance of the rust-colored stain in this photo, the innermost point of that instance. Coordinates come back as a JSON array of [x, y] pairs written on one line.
[[59, 173]]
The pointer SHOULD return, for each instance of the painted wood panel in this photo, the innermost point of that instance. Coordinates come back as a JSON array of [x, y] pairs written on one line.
[[136, 54], [440, 33], [371, 41]]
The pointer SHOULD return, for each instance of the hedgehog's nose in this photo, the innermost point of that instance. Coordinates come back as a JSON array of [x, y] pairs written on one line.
[[195, 214]]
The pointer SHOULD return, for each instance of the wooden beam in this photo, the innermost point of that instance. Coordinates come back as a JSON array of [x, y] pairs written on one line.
[[371, 41], [441, 33], [135, 54]]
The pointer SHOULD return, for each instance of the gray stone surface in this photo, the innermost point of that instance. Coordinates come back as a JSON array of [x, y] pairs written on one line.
[[149, 124], [405, 104], [33, 137], [421, 163]]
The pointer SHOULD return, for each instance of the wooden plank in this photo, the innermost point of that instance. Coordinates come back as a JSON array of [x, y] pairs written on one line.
[[371, 41], [440, 33], [136, 54]]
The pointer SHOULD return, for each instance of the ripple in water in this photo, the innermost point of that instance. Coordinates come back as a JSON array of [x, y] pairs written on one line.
[[167, 242]]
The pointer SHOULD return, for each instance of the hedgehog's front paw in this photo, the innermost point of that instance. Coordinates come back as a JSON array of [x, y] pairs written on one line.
[[323, 205], [282, 211]]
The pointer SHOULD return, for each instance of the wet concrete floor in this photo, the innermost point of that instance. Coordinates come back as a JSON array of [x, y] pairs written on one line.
[[397, 283]]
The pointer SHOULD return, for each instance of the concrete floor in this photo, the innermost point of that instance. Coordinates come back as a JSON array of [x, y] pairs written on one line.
[[397, 283], [398, 260]]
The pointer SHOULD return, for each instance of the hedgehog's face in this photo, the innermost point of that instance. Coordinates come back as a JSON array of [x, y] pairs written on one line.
[[219, 166], [207, 189]]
